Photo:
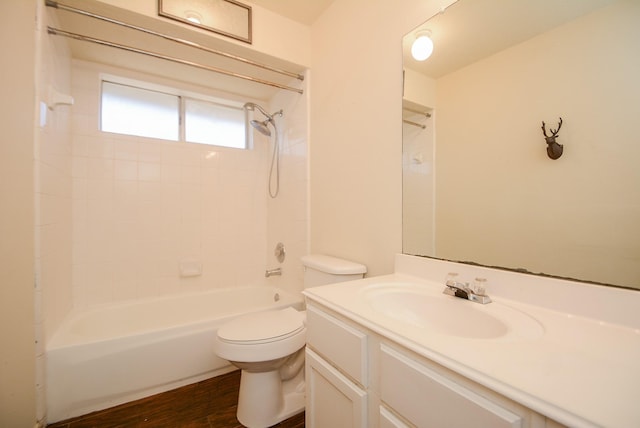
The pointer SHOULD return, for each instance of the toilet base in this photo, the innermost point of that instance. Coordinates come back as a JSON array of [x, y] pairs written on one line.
[[265, 400]]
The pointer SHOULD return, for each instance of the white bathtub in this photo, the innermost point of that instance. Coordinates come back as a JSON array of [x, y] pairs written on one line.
[[114, 354]]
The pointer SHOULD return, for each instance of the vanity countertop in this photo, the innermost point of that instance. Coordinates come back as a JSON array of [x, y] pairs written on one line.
[[577, 370]]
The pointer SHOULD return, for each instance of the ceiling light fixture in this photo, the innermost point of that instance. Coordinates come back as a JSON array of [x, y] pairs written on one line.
[[422, 46]]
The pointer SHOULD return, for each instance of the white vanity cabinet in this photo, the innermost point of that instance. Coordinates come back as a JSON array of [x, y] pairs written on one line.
[[336, 373], [359, 378]]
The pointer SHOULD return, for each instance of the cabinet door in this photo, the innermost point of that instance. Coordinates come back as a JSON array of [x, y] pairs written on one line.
[[332, 400], [427, 398]]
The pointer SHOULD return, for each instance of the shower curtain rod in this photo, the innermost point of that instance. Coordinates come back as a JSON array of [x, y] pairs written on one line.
[[424, 113], [58, 32], [419, 125], [61, 6]]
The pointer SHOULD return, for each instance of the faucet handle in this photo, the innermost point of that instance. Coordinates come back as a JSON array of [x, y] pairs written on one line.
[[479, 286], [452, 277]]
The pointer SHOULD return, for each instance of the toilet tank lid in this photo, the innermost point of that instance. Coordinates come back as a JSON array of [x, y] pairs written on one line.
[[332, 265]]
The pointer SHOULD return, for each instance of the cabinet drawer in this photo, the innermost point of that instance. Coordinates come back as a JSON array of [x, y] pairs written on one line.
[[338, 342], [427, 398]]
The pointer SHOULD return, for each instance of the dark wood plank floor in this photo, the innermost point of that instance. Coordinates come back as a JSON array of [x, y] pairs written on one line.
[[208, 404]]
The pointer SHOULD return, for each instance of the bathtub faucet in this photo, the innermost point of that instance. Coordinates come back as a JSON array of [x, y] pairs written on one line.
[[271, 272]]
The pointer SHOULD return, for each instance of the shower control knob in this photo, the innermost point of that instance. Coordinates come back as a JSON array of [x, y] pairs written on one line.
[[279, 252]]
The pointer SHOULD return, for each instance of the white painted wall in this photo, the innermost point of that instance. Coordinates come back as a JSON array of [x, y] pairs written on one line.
[[17, 83], [419, 88], [356, 128]]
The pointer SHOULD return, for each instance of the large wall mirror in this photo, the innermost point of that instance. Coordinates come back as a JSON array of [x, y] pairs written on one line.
[[478, 185]]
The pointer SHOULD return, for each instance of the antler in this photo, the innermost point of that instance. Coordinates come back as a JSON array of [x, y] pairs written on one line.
[[554, 132], [544, 131]]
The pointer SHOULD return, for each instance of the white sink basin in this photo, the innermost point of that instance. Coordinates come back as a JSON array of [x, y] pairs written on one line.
[[421, 306]]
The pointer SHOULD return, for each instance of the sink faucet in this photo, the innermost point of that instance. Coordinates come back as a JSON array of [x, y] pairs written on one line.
[[464, 291]]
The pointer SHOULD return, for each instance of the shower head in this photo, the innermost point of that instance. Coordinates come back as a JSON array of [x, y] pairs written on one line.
[[262, 126]]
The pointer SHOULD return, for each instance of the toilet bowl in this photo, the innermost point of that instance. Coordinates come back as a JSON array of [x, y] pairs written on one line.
[[269, 349]]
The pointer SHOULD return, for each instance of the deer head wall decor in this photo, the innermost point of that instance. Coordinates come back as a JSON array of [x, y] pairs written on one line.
[[554, 150]]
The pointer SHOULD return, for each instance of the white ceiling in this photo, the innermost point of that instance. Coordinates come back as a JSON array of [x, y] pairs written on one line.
[[303, 11], [470, 30]]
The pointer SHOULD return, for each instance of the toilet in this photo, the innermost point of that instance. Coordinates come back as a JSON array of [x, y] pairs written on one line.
[[269, 349]]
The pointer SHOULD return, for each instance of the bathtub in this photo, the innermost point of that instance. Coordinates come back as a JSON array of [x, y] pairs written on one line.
[[113, 354]]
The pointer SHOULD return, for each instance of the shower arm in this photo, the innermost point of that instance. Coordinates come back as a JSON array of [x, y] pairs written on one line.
[[253, 106]]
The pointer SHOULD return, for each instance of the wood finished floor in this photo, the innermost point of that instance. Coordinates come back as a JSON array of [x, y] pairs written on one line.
[[208, 404]]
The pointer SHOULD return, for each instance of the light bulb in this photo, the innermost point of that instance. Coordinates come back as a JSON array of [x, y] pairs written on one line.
[[422, 47]]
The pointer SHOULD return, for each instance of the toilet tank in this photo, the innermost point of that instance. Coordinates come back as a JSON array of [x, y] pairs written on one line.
[[320, 270]]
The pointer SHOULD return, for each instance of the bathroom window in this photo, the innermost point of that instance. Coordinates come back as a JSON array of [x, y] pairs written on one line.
[[133, 110], [141, 112], [212, 123]]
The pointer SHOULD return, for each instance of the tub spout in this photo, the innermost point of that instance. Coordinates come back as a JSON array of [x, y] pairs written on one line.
[[271, 272]]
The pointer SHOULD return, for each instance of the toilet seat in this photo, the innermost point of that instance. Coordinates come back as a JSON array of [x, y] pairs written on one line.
[[260, 337], [262, 327]]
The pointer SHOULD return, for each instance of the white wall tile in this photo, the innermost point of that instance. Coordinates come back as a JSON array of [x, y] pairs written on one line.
[[125, 169], [189, 155], [99, 168], [100, 148], [191, 174], [150, 152], [79, 167], [171, 173], [171, 154], [149, 171], [150, 192], [210, 158], [125, 149], [99, 189]]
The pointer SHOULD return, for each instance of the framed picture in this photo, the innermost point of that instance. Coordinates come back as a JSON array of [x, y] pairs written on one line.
[[226, 17]]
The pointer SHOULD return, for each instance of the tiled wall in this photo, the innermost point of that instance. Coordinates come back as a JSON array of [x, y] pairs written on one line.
[[142, 206], [288, 214]]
